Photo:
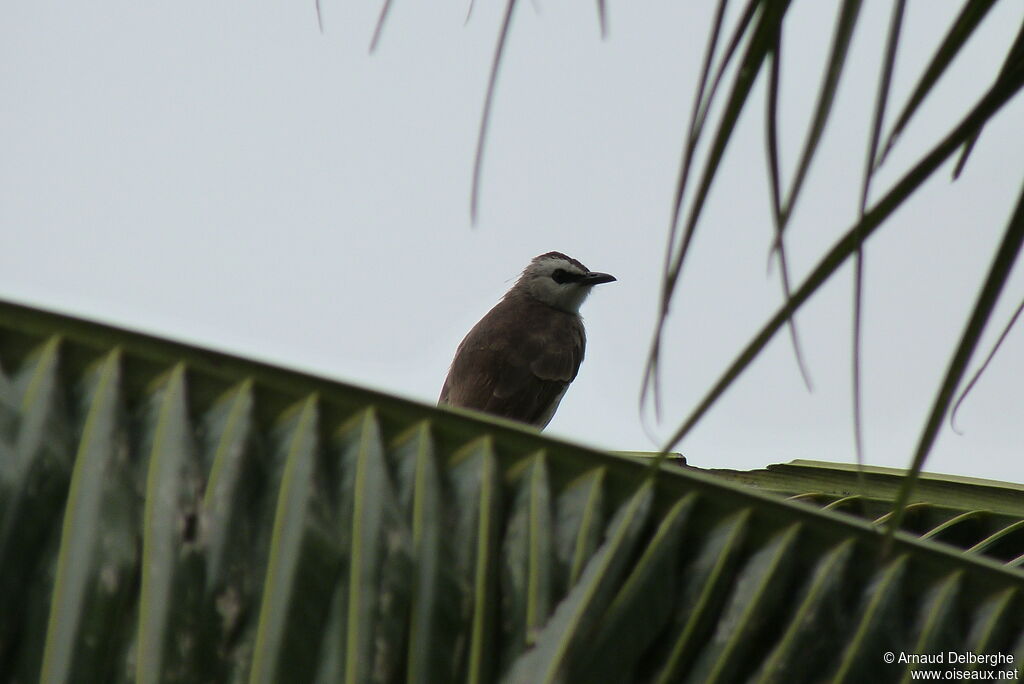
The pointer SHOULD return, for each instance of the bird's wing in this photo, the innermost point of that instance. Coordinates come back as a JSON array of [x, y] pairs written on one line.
[[531, 381], [520, 373]]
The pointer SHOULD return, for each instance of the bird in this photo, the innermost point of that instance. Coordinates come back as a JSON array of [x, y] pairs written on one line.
[[518, 360]]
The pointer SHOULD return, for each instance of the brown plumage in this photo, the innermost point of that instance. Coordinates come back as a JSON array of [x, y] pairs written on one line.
[[519, 359]]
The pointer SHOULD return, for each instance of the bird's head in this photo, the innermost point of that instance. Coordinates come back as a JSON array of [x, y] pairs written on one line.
[[559, 281]]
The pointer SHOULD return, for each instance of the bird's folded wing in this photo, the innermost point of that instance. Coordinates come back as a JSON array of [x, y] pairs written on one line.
[[515, 375], [534, 377]]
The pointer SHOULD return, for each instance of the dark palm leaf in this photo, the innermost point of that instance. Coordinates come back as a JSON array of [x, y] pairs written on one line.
[[173, 514]]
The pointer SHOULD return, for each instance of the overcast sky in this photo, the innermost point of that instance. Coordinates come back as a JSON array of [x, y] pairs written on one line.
[[223, 174]]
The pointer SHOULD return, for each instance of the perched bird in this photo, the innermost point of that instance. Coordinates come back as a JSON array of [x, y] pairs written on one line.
[[519, 359]]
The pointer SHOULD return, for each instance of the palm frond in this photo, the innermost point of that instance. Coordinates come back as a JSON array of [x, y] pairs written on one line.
[[485, 117], [988, 359], [999, 273], [775, 182], [385, 9], [877, 121], [220, 520], [759, 29], [963, 28], [994, 99]]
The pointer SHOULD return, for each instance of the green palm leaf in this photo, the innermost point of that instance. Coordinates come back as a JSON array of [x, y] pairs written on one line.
[[197, 517]]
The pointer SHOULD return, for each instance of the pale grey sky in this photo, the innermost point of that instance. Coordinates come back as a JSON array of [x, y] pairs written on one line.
[[223, 174]]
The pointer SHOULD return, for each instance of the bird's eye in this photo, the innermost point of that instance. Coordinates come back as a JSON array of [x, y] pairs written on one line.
[[561, 276]]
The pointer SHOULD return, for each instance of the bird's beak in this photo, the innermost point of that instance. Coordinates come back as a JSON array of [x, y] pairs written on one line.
[[594, 278]]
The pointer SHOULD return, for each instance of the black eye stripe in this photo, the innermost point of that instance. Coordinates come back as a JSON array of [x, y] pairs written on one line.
[[561, 276]]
